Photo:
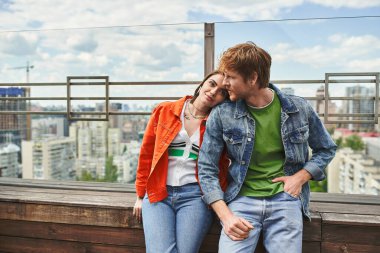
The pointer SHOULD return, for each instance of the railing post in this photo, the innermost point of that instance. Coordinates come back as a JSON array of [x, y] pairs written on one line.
[[209, 47]]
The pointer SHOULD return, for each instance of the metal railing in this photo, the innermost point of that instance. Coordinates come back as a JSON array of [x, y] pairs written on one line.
[[361, 78]]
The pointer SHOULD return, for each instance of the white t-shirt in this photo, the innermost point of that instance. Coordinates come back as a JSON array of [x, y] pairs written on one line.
[[183, 155]]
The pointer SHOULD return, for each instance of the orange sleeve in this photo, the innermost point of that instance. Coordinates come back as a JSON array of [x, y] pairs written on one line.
[[146, 154]]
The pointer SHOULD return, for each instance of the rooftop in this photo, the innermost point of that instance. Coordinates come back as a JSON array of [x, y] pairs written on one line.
[[56, 216]]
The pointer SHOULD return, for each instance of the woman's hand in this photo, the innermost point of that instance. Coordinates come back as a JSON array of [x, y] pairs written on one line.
[[137, 209]]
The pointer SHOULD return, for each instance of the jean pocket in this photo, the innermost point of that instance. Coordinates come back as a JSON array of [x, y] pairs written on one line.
[[291, 196]]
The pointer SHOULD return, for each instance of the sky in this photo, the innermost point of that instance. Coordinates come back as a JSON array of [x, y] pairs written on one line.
[[162, 40]]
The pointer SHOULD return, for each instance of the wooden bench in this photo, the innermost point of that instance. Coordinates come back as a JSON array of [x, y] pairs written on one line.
[[56, 216]]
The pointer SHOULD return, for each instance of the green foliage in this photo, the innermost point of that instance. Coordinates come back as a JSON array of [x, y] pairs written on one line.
[[354, 142], [331, 130], [110, 173], [339, 142], [86, 176], [318, 186]]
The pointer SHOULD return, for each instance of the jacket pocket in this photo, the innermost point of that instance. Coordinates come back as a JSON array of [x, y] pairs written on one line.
[[233, 136], [234, 142], [300, 135], [297, 145]]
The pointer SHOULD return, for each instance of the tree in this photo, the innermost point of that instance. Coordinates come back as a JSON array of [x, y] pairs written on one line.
[[111, 171], [354, 142], [86, 176], [318, 186], [339, 142]]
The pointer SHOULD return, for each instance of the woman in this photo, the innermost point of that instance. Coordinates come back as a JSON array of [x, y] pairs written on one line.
[[175, 218]]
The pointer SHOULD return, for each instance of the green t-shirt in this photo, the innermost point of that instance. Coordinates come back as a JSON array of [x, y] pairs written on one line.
[[268, 153]]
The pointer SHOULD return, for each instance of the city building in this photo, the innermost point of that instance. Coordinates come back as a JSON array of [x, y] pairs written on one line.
[[114, 139], [14, 126], [362, 105], [49, 157], [127, 162], [353, 173], [320, 105], [49, 126], [9, 164], [373, 148]]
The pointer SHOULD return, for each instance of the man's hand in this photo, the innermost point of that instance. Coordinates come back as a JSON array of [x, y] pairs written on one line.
[[293, 184], [137, 209], [235, 227]]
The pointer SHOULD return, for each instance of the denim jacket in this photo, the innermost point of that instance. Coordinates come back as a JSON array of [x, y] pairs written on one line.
[[230, 125]]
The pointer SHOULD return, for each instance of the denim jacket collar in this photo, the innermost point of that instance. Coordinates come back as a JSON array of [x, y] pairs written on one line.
[[287, 105]]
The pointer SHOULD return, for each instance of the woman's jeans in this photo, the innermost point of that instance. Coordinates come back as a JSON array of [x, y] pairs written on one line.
[[177, 223], [279, 218]]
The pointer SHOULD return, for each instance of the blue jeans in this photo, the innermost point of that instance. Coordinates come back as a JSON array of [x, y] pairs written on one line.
[[279, 218], [178, 223]]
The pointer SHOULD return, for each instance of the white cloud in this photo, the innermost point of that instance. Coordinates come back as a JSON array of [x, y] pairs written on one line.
[[345, 51], [245, 9], [367, 65], [96, 13], [191, 76], [18, 44], [355, 4], [147, 52], [82, 43]]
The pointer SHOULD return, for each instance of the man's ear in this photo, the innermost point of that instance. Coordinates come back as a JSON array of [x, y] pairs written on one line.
[[253, 79]]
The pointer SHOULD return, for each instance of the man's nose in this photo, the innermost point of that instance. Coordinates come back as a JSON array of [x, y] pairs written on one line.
[[225, 82]]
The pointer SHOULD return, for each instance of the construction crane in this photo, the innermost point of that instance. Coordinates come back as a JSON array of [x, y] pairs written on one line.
[[27, 68]]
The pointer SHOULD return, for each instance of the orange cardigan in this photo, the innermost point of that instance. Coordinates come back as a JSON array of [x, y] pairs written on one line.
[[152, 169]]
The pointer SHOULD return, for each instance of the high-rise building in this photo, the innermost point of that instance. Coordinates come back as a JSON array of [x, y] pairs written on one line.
[[360, 106], [114, 139], [48, 126], [373, 148], [353, 173], [9, 165], [50, 157], [14, 127], [320, 105]]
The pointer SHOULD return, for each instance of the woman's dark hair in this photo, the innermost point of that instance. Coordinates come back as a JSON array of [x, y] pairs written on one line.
[[196, 93]]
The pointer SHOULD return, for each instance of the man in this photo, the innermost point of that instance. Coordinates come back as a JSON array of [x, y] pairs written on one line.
[[267, 135]]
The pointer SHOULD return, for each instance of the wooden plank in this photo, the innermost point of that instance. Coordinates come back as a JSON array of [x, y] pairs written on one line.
[[67, 197], [312, 229], [311, 247], [344, 198], [328, 247], [345, 208], [366, 235], [96, 216], [351, 219], [56, 184], [32, 245], [69, 232]]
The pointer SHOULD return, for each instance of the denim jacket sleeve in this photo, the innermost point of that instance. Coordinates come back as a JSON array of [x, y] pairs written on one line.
[[322, 146], [209, 155]]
